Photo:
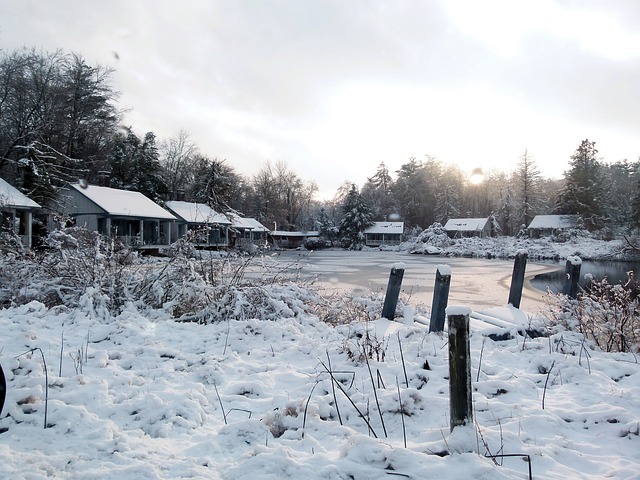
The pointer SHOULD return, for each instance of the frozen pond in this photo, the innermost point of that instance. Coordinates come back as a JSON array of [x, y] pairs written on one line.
[[477, 283]]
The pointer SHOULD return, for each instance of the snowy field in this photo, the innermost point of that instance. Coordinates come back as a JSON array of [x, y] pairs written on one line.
[[141, 396]]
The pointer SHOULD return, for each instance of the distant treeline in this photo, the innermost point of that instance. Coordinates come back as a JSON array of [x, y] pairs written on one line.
[[59, 123]]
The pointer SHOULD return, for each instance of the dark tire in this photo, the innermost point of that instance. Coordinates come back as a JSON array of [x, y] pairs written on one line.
[[3, 388]]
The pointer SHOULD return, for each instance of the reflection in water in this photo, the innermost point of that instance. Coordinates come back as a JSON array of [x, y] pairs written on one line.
[[616, 272]]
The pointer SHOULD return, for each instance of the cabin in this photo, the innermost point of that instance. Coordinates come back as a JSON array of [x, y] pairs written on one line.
[[548, 225], [129, 216], [17, 211], [468, 227], [284, 239], [209, 229], [246, 231], [384, 233]]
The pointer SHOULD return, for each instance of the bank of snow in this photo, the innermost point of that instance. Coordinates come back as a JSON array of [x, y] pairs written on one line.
[[144, 397], [584, 246]]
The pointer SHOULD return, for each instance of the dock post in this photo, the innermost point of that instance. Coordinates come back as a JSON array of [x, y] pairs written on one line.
[[572, 269], [440, 298], [460, 401], [517, 278], [393, 291]]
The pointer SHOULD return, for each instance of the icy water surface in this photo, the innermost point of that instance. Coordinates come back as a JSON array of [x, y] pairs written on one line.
[[477, 283]]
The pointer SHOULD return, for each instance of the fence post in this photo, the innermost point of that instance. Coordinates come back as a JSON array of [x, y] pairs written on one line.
[[572, 270], [440, 298], [460, 403], [517, 278], [393, 291]]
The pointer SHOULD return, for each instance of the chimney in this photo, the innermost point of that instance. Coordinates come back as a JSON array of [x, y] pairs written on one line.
[[104, 178], [180, 195]]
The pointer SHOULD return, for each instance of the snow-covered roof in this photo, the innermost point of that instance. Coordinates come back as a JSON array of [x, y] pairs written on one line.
[[12, 197], [123, 202], [554, 221], [465, 224], [284, 233], [386, 228], [192, 212], [247, 223]]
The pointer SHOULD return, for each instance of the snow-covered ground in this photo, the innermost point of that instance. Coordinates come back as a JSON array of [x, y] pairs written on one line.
[[141, 396], [435, 241]]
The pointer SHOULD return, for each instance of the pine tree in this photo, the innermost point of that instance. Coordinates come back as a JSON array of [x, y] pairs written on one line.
[[326, 227], [447, 204], [527, 180], [356, 218], [623, 178], [377, 192], [135, 165], [636, 206], [583, 192]]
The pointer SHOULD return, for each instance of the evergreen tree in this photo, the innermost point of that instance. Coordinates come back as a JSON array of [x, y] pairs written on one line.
[[57, 121], [135, 165], [635, 215], [584, 193], [623, 180], [216, 184], [377, 192], [326, 227], [447, 204], [508, 224], [526, 181], [356, 218]]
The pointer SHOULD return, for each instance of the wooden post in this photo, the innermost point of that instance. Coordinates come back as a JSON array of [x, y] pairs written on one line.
[[574, 263], [393, 291], [440, 298], [517, 278], [460, 404]]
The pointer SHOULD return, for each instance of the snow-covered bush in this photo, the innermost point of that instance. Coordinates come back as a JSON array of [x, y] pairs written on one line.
[[431, 241], [84, 269], [73, 262], [608, 315]]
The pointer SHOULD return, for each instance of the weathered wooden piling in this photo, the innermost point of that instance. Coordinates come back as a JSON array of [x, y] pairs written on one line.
[[440, 298], [572, 270], [517, 278], [393, 291], [460, 401]]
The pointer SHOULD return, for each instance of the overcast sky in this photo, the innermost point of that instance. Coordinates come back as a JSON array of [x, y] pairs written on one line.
[[333, 88]]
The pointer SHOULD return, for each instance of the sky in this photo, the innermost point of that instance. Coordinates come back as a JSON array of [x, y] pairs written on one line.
[[334, 88]]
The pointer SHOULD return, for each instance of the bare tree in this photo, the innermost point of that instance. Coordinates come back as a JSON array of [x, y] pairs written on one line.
[[179, 158]]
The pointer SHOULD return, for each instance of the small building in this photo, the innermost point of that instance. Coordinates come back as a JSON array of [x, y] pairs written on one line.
[[210, 228], [245, 231], [384, 233], [17, 213], [468, 227], [547, 225], [130, 216], [284, 239]]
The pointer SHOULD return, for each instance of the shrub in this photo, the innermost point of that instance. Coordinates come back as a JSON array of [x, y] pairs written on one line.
[[608, 315]]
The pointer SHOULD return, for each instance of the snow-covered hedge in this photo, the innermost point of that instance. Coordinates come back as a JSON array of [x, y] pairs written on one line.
[[84, 269], [607, 315]]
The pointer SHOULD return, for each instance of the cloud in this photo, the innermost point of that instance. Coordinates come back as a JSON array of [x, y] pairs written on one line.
[[334, 87]]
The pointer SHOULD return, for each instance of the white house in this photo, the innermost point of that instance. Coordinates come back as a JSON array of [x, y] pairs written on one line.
[[546, 225], [211, 227], [468, 227], [130, 216], [17, 212], [384, 233], [246, 230], [284, 239]]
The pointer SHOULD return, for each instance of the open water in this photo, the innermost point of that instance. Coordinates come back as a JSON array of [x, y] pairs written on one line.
[[616, 272]]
